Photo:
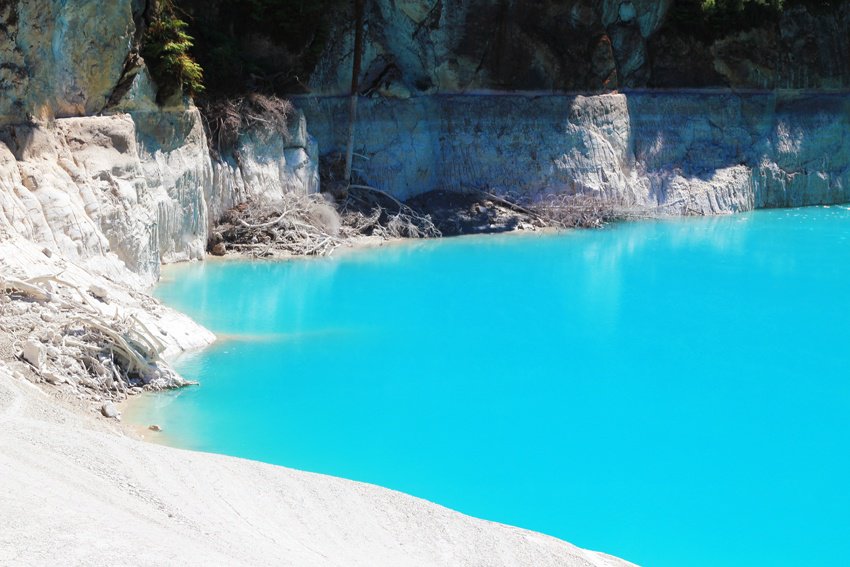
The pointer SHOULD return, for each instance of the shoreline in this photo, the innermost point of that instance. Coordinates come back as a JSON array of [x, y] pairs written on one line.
[[98, 495]]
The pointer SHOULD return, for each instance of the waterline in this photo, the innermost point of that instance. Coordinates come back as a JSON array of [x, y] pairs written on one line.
[[672, 392]]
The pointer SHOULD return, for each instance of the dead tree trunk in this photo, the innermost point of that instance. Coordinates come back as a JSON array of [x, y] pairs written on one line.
[[355, 77]]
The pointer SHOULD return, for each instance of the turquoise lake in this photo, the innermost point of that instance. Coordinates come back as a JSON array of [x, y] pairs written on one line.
[[671, 392]]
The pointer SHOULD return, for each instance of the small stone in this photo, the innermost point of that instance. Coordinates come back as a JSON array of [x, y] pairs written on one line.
[[47, 316], [34, 353], [53, 378], [99, 292], [219, 249], [109, 410], [155, 428], [47, 252]]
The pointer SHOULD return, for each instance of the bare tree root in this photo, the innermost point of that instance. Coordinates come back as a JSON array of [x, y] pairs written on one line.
[[67, 339], [373, 212], [226, 119], [297, 225], [310, 226], [582, 211]]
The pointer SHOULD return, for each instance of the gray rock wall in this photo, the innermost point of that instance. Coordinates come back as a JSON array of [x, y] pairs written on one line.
[[59, 58], [671, 153], [417, 47], [100, 174], [109, 191], [446, 46]]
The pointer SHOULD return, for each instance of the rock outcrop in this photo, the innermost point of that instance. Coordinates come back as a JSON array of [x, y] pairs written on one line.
[[805, 47], [93, 169], [416, 47], [427, 46], [60, 59], [109, 190], [663, 153], [133, 190]]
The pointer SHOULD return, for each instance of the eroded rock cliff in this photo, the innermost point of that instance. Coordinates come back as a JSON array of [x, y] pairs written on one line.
[[450, 46], [93, 169], [665, 153]]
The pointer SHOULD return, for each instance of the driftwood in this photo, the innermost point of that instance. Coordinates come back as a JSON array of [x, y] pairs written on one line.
[[26, 288], [370, 211], [582, 211], [297, 224], [311, 226], [93, 351]]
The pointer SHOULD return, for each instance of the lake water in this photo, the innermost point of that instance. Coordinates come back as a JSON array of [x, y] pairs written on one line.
[[672, 392]]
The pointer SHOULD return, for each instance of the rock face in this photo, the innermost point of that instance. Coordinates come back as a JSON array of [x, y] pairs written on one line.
[[60, 59], [805, 48], [109, 190], [418, 46], [668, 153], [449, 46], [123, 191], [263, 166], [93, 170], [135, 190]]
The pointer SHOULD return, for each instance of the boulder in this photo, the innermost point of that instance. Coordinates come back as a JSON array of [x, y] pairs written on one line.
[[34, 353], [109, 410]]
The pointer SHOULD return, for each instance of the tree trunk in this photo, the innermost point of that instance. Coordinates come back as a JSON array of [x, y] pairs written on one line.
[[355, 77]]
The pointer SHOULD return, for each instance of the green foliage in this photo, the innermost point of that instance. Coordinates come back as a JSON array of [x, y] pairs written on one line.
[[261, 45], [732, 6], [167, 48], [710, 19]]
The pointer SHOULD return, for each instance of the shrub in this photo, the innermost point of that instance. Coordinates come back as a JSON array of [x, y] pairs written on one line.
[[227, 118], [166, 48]]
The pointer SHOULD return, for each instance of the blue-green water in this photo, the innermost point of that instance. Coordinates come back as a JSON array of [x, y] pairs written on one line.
[[675, 393]]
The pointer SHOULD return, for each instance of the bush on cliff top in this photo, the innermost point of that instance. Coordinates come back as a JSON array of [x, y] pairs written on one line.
[[261, 45], [166, 49], [711, 19]]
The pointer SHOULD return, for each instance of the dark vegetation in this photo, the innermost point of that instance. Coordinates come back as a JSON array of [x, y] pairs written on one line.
[[711, 19], [273, 46], [226, 118], [269, 46], [167, 48]]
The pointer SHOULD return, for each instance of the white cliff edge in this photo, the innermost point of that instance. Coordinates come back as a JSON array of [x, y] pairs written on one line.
[[95, 195]]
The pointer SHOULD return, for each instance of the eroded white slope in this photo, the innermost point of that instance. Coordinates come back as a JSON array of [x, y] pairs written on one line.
[[75, 493]]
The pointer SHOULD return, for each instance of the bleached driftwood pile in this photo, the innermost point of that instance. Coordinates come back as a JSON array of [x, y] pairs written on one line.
[[74, 338], [313, 226]]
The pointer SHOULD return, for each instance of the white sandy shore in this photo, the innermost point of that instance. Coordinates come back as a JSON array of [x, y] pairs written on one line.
[[78, 489], [75, 490]]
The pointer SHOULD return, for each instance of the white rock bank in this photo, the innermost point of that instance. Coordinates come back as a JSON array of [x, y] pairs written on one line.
[[74, 492]]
